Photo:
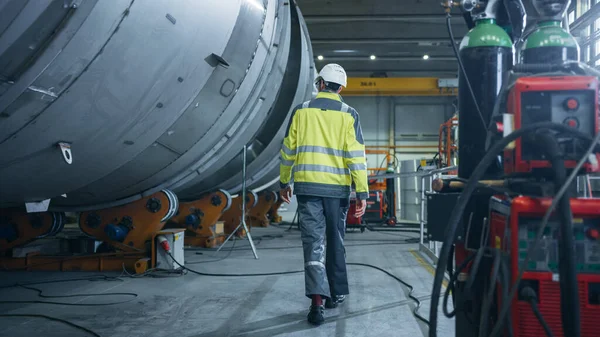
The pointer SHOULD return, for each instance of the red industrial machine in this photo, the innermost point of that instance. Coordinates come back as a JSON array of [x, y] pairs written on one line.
[[570, 100], [376, 207], [513, 227], [351, 220], [517, 275]]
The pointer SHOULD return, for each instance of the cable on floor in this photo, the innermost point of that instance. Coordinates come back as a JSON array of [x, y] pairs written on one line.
[[216, 260], [88, 278], [63, 321], [41, 295], [409, 286], [376, 243]]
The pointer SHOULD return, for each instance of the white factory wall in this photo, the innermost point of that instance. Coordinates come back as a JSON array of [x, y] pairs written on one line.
[[417, 122]]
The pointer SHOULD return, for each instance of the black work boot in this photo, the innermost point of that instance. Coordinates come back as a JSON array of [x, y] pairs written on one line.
[[334, 301], [316, 315]]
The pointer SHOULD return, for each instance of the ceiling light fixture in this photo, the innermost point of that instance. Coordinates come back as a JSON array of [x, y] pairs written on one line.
[[320, 57], [373, 57], [425, 57]]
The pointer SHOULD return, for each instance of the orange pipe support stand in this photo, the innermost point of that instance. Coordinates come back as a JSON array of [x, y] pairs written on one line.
[[93, 262], [200, 217], [233, 216], [138, 222], [20, 227], [141, 219], [273, 212], [257, 217]]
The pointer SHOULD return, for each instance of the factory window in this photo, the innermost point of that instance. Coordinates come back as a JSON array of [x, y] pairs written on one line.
[[582, 7], [571, 16]]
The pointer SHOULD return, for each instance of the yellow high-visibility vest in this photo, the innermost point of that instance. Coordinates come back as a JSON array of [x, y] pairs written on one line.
[[324, 149]]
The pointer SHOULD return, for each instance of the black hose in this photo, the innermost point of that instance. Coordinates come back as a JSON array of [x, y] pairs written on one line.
[[463, 70], [540, 233], [475, 268], [40, 293], [409, 286], [541, 319], [78, 327], [569, 293], [489, 299], [451, 287], [505, 271], [463, 199], [530, 296]]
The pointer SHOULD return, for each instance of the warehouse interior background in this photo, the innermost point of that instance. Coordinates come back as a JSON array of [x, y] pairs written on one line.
[[409, 43], [402, 80]]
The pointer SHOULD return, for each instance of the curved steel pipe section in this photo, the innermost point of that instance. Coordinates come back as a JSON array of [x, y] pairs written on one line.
[[263, 151], [145, 95]]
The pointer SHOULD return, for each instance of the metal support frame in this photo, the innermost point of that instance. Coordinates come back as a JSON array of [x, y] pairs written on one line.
[[441, 40], [400, 86], [416, 18], [243, 221]]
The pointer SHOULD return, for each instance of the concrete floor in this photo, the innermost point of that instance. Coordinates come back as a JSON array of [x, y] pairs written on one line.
[[203, 306]]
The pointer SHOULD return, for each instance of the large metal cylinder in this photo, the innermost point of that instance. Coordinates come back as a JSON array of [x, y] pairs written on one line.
[[149, 95], [486, 52]]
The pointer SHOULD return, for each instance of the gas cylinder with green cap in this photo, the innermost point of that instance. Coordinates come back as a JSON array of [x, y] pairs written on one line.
[[487, 53], [550, 43]]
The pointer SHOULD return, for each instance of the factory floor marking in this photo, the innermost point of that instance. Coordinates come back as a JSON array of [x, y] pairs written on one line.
[[426, 265]]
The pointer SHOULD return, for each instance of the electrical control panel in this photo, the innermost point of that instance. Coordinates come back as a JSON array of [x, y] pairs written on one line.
[[568, 100], [513, 227], [515, 224], [586, 232], [574, 108]]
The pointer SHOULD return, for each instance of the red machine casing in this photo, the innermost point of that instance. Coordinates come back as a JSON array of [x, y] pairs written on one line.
[[545, 99], [351, 220], [504, 232], [375, 205]]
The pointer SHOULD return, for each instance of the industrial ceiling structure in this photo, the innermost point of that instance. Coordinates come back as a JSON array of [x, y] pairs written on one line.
[[408, 38]]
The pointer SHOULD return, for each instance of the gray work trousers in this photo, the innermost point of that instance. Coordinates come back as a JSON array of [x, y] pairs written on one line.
[[324, 272]]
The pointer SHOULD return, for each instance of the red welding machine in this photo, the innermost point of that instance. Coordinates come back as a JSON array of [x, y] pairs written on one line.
[[570, 100], [513, 227]]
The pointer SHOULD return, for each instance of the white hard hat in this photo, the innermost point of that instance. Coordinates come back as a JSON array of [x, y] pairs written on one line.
[[333, 73]]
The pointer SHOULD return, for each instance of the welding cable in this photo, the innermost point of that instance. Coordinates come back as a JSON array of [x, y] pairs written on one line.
[[530, 296], [63, 321], [569, 294], [506, 306], [464, 198], [88, 278], [375, 243], [505, 272], [41, 295], [407, 285], [451, 286], [463, 70], [216, 260], [475, 268], [489, 299]]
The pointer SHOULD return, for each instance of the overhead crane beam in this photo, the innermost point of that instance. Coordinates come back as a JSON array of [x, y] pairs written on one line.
[[399, 86]]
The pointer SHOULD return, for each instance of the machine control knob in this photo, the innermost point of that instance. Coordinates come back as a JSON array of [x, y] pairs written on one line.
[[572, 122], [593, 234], [571, 104]]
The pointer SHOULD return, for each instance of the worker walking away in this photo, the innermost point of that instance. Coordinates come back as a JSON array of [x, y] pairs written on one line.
[[324, 146]]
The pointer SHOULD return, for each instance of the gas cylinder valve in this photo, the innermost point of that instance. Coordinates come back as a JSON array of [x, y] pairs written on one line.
[[469, 5]]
